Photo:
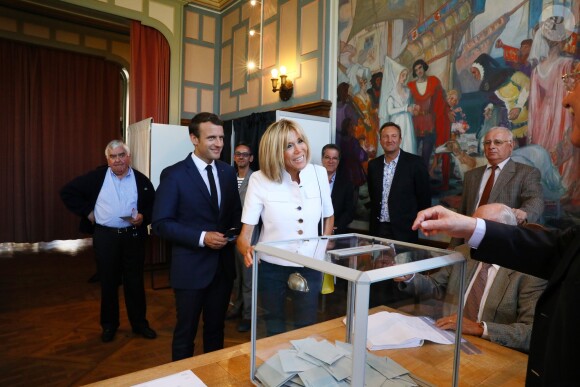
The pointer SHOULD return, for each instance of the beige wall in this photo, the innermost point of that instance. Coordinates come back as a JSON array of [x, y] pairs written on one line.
[[293, 36], [48, 32]]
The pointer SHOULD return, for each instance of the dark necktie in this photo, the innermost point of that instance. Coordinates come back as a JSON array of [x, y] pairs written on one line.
[[471, 309], [212, 188], [488, 187]]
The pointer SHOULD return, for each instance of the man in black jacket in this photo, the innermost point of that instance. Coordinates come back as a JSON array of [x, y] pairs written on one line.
[[342, 190], [115, 204], [398, 187]]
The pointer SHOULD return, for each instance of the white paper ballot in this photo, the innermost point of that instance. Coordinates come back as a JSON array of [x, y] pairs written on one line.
[[388, 330], [181, 379]]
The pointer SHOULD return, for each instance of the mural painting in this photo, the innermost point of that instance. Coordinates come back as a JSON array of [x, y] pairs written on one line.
[[447, 72]]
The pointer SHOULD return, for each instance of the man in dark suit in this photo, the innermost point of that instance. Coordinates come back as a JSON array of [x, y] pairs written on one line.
[[115, 205], [197, 203], [398, 185], [341, 189]]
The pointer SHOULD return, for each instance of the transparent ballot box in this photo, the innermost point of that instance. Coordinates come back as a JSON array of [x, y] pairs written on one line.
[[353, 310]]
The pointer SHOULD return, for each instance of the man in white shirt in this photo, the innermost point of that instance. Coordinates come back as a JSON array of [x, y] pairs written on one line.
[[514, 184]]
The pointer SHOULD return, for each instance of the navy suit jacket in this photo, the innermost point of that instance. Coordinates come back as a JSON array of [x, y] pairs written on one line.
[[183, 211], [343, 202], [409, 194], [554, 256]]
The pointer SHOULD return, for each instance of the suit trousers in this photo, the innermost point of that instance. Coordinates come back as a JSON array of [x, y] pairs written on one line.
[[242, 287], [120, 259], [213, 301]]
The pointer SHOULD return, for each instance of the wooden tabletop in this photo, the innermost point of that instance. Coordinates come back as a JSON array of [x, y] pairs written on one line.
[[495, 366]]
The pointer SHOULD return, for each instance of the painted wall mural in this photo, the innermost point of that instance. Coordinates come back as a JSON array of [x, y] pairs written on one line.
[[447, 72]]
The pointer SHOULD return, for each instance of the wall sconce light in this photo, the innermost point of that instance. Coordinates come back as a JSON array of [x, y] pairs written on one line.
[[286, 87]]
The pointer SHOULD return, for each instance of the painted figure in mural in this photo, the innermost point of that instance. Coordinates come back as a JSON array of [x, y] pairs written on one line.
[[459, 123], [548, 119], [344, 108], [517, 58], [367, 125], [507, 90], [396, 105], [374, 91], [430, 117], [353, 154], [566, 155]]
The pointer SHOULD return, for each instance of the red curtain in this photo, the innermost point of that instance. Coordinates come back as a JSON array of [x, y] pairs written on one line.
[[59, 110], [149, 76]]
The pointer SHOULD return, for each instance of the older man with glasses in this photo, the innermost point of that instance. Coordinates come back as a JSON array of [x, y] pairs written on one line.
[[503, 180], [241, 300]]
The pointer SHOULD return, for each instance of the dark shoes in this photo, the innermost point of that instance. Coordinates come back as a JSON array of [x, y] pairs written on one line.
[[146, 332], [108, 335], [244, 325]]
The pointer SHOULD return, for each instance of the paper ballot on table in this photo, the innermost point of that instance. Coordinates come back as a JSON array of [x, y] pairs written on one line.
[[182, 379], [388, 330]]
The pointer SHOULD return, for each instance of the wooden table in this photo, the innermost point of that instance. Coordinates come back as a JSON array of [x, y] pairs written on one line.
[[495, 366]]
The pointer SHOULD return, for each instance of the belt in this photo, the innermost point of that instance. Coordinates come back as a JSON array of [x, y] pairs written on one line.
[[115, 230]]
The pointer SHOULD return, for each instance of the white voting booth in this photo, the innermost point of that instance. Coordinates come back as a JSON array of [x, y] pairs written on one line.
[[157, 146]]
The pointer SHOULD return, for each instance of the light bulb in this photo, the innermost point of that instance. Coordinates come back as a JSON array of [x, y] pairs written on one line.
[[252, 32], [253, 2], [251, 65], [282, 70], [274, 73]]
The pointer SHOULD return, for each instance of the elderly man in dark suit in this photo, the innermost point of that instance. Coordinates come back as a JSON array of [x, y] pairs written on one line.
[[115, 205], [503, 315], [398, 185], [341, 189], [197, 203]]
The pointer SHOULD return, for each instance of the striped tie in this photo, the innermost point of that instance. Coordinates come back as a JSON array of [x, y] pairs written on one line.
[[471, 309]]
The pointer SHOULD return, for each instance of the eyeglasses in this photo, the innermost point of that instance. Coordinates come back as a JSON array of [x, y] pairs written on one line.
[[495, 142], [118, 156], [328, 158], [242, 154]]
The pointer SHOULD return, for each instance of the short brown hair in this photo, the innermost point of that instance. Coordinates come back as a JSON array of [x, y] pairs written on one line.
[[200, 118]]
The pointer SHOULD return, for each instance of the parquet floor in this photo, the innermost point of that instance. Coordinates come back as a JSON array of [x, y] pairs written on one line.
[[49, 323]]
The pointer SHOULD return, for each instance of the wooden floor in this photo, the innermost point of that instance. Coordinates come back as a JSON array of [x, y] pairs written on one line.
[[49, 323]]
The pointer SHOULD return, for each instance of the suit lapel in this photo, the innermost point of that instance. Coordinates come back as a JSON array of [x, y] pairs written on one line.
[[497, 292], [503, 179], [196, 179], [474, 184]]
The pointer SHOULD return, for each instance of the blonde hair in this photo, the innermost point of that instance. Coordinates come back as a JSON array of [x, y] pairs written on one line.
[[272, 147]]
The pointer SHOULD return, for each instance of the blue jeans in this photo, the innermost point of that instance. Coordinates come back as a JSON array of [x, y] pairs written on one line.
[[273, 289]]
